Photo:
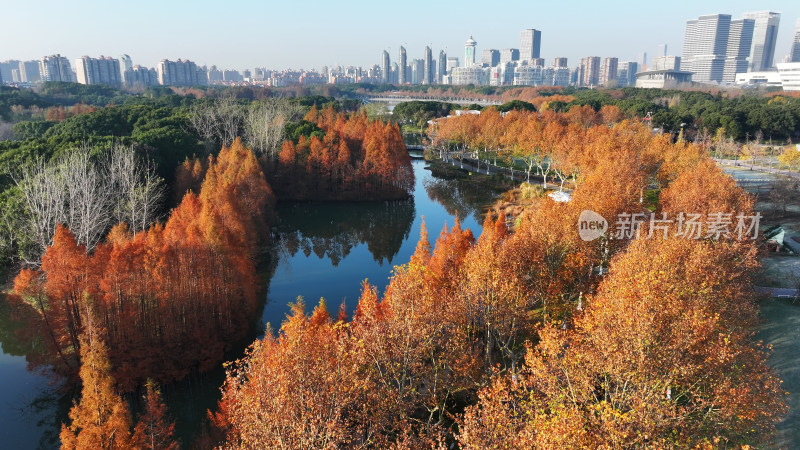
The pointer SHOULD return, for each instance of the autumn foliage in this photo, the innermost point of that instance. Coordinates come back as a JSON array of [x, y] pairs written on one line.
[[170, 299], [356, 159], [518, 339]]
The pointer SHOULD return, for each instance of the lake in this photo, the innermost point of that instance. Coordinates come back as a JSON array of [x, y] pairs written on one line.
[[320, 250]]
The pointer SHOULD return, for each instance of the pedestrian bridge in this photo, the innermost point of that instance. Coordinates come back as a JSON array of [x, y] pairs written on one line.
[[394, 99]]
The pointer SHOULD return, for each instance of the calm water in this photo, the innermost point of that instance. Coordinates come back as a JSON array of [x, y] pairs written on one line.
[[322, 250]]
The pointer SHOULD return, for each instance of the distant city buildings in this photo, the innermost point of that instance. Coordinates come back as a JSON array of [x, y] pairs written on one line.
[[441, 68], [705, 47], [590, 71], [794, 55], [428, 67], [765, 36], [469, 52], [401, 74], [180, 73], [740, 38], [385, 74], [102, 70], [490, 57], [717, 48], [56, 68], [509, 55], [789, 74], [608, 72], [530, 44]]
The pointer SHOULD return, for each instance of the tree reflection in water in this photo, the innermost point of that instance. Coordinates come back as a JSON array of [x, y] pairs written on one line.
[[460, 197], [333, 229]]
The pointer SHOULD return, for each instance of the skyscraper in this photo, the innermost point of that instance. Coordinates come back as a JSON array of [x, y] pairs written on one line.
[[508, 55], [180, 73], [560, 62], [441, 68], [427, 77], [56, 68], [469, 52], [29, 71], [530, 44], [794, 56], [125, 66], [590, 71], [490, 57], [385, 68], [608, 72], [765, 34], [102, 70], [740, 39], [401, 69], [705, 47]]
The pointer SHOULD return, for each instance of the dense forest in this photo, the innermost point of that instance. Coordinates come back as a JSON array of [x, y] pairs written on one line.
[[524, 337]]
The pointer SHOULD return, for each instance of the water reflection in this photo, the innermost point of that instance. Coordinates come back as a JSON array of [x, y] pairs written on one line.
[[332, 229], [460, 197], [322, 249]]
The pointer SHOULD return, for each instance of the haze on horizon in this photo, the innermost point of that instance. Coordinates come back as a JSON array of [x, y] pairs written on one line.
[[247, 34]]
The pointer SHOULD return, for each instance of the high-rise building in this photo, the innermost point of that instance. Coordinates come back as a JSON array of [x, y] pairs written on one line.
[[452, 63], [141, 76], [537, 62], [401, 69], [590, 71], [6, 67], [626, 73], [794, 56], [560, 62], [180, 73], [740, 39], [765, 35], [705, 47], [29, 71], [427, 77], [508, 55], [417, 71], [56, 68], [608, 71], [662, 50], [102, 70], [469, 52], [490, 57], [530, 44], [385, 68], [643, 61], [441, 68], [666, 63], [125, 66]]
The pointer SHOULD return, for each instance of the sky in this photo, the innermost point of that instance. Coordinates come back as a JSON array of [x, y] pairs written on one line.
[[305, 34]]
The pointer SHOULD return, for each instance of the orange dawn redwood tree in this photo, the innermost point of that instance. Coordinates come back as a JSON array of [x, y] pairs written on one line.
[[169, 300], [484, 343]]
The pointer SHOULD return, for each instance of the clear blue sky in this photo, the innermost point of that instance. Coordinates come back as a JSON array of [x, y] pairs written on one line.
[[312, 33]]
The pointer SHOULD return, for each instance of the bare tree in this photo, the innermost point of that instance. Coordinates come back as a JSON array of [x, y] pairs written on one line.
[[89, 202], [88, 195], [137, 189], [45, 199], [218, 122], [264, 124], [203, 120], [230, 115]]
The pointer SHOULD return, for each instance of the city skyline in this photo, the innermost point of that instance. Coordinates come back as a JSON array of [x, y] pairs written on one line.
[[282, 37]]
